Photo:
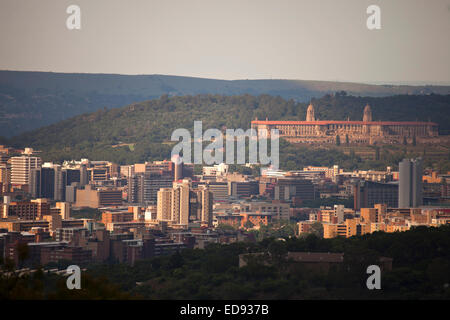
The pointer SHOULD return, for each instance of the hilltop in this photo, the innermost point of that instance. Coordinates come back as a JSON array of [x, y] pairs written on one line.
[[141, 131], [30, 100]]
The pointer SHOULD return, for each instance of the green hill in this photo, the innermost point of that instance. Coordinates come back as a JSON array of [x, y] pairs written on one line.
[[29, 100], [140, 131]]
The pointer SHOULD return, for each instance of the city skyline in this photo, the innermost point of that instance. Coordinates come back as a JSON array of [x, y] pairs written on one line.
[[134, 164]]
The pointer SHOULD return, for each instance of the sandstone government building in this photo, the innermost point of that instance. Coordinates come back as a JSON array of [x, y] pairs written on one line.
[[363, 132]]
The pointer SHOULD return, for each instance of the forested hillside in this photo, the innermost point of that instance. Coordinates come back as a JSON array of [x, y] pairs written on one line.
[[140, 131], [421, 262]]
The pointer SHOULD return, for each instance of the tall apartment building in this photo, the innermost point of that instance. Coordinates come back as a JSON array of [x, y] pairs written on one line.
[[410, 183], [164, 205], [201, 205], [5, 176], [180, 203], [21, 168]]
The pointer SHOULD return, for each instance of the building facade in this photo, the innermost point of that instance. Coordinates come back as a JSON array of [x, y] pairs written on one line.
[[366, 131]]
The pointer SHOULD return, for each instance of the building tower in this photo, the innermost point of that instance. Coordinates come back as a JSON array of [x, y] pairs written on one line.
[[410, 183], [21, 168], [5, 176], [180, 202], [310, 113], [177, 167], [164, 206], [205, 205]]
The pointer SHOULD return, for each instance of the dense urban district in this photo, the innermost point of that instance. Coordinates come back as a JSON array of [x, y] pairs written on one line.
[[349, 193]]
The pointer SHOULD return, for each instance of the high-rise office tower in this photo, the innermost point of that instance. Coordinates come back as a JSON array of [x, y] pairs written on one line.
[[71, 176], [143, 187], [83, 175], [410, 183], [21, 170], [174, 203], [204, 205], [48, 182]]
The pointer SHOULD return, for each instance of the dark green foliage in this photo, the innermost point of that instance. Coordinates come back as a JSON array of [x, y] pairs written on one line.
[[317, 203], [38, 286], [89, 213], [420, 269]]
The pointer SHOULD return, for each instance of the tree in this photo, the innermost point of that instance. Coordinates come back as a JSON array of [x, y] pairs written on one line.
[[277, 250], [23, 252], [248, 224], [224, 227], [317, 229]]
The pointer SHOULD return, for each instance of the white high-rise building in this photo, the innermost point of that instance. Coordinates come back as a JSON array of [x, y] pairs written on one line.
[[180, 202], [21, 168], [173, 203]]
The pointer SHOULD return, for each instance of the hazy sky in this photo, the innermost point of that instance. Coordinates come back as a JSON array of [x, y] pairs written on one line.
[[232, 39]]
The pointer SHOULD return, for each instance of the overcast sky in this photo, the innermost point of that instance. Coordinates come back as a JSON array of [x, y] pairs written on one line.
[[232, 39]]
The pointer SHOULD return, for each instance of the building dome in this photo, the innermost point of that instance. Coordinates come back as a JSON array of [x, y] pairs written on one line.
[[367, 116], [310, 113]]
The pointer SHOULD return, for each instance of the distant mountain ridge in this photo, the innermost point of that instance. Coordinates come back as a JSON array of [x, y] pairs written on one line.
[[29, 100]]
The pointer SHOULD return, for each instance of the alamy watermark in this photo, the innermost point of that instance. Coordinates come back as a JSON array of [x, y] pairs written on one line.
[[374, 280], [214, 152], [73, 21], [74, 279], [373, 22]]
